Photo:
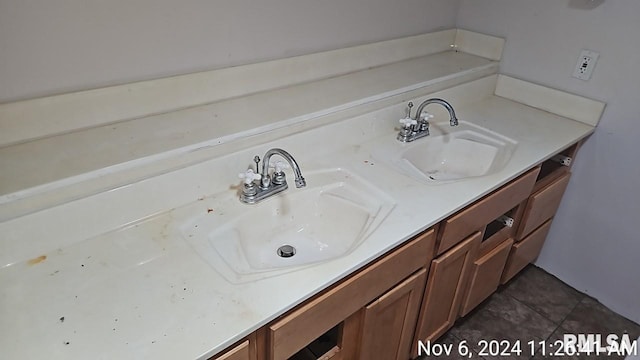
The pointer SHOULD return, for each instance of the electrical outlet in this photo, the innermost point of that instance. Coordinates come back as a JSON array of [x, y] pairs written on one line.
[[586, 62]]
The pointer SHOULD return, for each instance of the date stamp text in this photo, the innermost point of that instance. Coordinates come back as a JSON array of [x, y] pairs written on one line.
[[602, 345]]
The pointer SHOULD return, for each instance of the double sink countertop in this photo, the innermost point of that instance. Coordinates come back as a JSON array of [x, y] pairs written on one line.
[[132, 287]]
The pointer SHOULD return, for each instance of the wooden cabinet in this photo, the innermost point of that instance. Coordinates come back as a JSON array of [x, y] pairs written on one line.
[[445, 288], [476, 216], [245, 350], [525, 251], [389, 322], [538, 211], [485, 276], [543, 204], [239, 352], [488, 262], [341, 305]]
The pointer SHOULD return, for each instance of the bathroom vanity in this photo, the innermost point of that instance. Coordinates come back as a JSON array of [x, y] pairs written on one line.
[[121, 242], [417, 291]]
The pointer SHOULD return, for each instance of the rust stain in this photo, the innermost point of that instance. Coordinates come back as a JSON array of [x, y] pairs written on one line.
[[37, 260]]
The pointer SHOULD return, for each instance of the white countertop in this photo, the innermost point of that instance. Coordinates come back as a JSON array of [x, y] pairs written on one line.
[[110, 276]]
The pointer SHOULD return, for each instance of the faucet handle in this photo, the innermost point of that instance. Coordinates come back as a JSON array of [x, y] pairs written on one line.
[[279, 165], [406, 122], [426, 116], [278, 176], [249, 176]]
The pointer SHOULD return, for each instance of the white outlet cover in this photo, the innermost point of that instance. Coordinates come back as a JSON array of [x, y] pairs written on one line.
[[586, 62]]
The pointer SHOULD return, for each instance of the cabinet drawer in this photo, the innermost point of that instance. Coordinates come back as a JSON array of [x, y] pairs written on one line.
[[525, 251], [485, 276], [476, 216], [542, 205], [240, 352], [304, 324], [244, 350]]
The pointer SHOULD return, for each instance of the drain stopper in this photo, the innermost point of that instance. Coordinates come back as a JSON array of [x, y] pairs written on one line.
[[286, 251]]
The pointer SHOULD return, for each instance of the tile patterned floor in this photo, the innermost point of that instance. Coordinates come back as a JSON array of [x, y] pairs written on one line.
[[535, 306]]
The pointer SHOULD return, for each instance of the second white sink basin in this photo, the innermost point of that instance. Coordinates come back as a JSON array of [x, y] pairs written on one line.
[[450, 154], [329, 218]]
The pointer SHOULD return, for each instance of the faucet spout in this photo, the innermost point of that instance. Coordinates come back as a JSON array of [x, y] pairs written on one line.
[[453, 120], [418, 127], [260, 186], [265, 181]]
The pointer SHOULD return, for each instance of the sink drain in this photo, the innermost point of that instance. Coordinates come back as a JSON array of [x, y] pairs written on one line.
[[286, 251]]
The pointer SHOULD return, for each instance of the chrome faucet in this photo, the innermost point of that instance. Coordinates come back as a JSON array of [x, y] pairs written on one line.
[[259, 185], [418, 127]]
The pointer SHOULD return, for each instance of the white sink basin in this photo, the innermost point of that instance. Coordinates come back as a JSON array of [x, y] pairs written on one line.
[[449, 153], [329, 218]]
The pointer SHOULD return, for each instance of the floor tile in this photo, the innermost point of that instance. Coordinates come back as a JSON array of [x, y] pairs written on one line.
[[503, 318], [591, 317], [536, 306], [544, 293]]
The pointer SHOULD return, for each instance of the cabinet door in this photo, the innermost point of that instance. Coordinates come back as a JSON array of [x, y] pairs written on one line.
[[485, 276], [445, 288], [542, 205], [525, 251], [240, 352], [389, 322]]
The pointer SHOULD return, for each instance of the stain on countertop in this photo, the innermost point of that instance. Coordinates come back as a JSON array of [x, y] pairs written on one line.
[[37, 260]]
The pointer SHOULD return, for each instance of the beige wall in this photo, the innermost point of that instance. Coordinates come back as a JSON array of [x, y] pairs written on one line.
[[57, 46], [594, 243]]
